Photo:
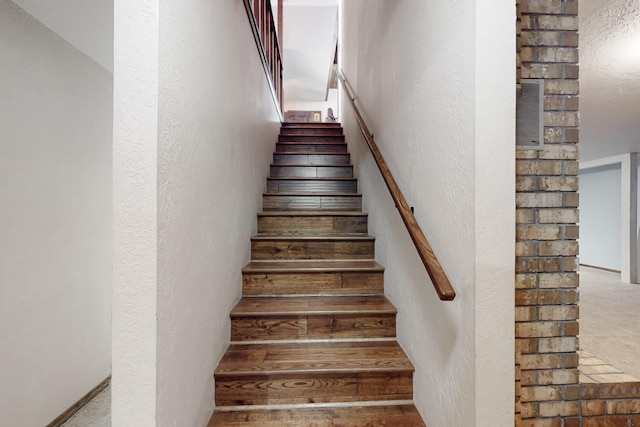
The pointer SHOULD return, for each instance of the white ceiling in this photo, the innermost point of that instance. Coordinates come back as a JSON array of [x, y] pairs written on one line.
[[310, 33], [609, 78], [86, 24], [609, 58]]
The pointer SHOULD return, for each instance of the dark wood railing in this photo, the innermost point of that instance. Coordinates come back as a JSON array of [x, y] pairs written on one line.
[[439, 278], [266, 35]]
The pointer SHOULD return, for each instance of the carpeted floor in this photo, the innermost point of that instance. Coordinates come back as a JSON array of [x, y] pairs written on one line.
[[610, 319], [96, 413]]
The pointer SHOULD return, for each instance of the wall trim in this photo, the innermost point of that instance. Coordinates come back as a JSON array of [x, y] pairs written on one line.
[[600, 268], [64, 417], [629, 210], [605, 161]]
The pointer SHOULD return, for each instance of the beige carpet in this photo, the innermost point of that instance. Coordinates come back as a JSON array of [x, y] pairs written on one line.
[[96, 413], [610, 319]]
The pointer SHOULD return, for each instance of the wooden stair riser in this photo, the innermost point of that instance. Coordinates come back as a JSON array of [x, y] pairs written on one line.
[[313, 326], [311, 159], [296, 388], [300, 130], [290, 185], [276, 249], [299, 147], [327, 283], [311, 138], [281, 202], [311, 171], [328, 224]]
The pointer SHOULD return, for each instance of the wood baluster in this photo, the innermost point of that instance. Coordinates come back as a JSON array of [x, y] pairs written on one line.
[[266, 34]]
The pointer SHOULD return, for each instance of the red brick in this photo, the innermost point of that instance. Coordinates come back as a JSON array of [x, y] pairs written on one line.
[[540, 393], [554, 409], [589, 391], [545, 297], [606, 421], [592, 407], [541, 361], [620, 390], [542, 6], [631, 406], [558, 376]]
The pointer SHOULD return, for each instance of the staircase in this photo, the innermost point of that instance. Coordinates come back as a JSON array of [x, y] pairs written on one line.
[[313, 337]]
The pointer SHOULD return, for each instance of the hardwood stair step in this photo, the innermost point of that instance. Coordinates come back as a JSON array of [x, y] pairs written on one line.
[[358, 266], [324, 159], [301, 147], [267, 306], [313, 358], [296, 201], [299, 222], [288, 184], [261, 374], [312, 278], [328, 416], [311, 124], [311, 138], [330, 317], [306, 247], [311, 171], [313, 337], [305, 130]]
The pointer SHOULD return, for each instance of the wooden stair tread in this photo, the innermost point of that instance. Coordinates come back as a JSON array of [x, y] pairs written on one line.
[[316, 237], [311, 142], [312, 213], [323, 153], [311, 124], [337, 129], [356, 416], [301, 200], [313, 135], [302, 147], [312, 178], [311, 171], [306, 165], [306, 159], [306, 358], [320, 193], [310, 266], [264, 306]]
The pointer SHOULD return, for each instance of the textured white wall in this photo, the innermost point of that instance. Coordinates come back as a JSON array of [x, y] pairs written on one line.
[[600, 213], [88, 25], [55, 222], [218, 128], [495, 212], [195, 126], [417, 75], [135, 229]]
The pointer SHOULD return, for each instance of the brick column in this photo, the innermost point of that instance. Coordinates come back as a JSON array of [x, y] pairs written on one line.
[[546, 248], [518, 42]]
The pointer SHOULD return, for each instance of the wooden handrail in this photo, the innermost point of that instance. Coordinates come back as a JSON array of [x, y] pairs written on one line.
[[439, 278]]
